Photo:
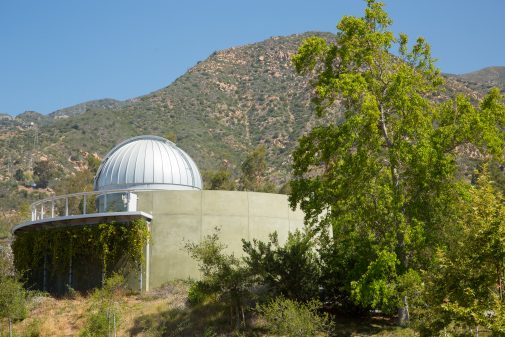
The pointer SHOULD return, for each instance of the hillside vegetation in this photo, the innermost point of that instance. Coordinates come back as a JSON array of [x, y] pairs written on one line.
[[219, 110], [397, 170]]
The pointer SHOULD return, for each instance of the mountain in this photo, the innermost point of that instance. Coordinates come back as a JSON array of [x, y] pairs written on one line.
[[494, 76], [219, 110], [104, 104], [484, 79]]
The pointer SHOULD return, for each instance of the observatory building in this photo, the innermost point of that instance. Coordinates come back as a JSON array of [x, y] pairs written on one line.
[[149, 177]]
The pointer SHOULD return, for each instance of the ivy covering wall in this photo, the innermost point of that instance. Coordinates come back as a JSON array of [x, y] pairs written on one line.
[[107, 247]]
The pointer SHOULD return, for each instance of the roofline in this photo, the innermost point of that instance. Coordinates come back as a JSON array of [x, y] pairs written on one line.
[[124, 142], [81, 220]]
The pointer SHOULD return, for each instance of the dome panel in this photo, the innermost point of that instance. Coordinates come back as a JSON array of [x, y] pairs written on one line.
[[147, 162]]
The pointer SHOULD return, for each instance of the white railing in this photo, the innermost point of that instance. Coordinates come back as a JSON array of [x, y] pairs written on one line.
[[83, 203]]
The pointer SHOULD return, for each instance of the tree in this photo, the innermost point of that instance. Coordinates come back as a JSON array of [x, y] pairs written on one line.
[[93, 163], [45, 170], [465, 287], [254, 170], [223, 275], [220, 179], [19, 175], [78, 181], [382, 176]]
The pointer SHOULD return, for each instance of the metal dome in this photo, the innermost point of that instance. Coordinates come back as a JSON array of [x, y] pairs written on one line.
[[147, 162]]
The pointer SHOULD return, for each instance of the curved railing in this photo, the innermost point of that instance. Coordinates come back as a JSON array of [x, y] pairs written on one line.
[[85, 203]]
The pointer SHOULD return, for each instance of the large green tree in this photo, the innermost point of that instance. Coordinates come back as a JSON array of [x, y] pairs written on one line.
[[382, 176], [464, 287]]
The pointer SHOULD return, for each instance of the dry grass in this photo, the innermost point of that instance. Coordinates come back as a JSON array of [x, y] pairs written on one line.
[[164, 312], [66, 317]]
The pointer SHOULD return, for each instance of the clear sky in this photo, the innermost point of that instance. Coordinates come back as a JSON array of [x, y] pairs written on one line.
[[57, 53]]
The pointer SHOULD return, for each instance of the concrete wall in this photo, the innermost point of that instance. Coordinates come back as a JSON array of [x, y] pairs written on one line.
[[188, 216]]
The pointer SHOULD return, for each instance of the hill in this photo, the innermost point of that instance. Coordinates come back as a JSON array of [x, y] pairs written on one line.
[[484, 79], [219, 110], [494, 76], [106, 103], [222, 107]]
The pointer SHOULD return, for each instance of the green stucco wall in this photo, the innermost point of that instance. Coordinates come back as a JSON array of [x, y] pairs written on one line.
[[182, 216]]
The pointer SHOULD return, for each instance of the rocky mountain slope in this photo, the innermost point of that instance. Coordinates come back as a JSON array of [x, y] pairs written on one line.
[[220, 109], [484, 79]]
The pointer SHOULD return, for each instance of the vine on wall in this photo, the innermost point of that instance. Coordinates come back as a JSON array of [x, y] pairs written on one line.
[[107, 243]]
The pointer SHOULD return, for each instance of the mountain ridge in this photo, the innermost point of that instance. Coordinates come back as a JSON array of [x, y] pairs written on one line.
[[219, 110]]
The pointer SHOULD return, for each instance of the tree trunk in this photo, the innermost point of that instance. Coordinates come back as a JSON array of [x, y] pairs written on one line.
[[403, 313], [10, 327], [114, 320]]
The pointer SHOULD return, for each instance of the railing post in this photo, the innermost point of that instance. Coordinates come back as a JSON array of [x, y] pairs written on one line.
[[85, 204], [105, 202], [52, 208], [66, 206], [34, 213], [42, 211]]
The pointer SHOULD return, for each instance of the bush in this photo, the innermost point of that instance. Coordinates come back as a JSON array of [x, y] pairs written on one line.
[[104, 315], [290, 270], [285, 317], [223, 276], [197, 293], [33, 329]]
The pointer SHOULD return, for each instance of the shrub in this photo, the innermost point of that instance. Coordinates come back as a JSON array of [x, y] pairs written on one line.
[[223, 276], [105, 311], [285, 317], [290, 270], [197, 293], [33, 329]]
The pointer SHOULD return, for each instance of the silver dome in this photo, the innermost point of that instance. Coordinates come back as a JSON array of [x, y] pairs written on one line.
[[147, 162]]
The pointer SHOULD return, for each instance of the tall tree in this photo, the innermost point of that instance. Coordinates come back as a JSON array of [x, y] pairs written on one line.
[[254, 169], [380, 176]]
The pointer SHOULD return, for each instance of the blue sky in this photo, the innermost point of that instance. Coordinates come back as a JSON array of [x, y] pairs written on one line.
[[57, 53]]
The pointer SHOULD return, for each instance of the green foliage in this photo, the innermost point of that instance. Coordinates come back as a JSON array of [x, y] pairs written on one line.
[[285, 317], [465, 285], [44, 171], [198, 292], [104, 314], [33, 329], [93, 163], [223, 275], [10, 219], [19, 175], [12, 293], [171, 136], [291, 270], [254, 169], [376, 287], [221, 179], [382, 179], [107, 243]]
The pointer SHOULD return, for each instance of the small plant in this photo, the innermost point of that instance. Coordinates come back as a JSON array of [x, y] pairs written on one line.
[[71, 293], [285, 317], [197, 293], [209, 332], [105, 312], [33, 329]]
